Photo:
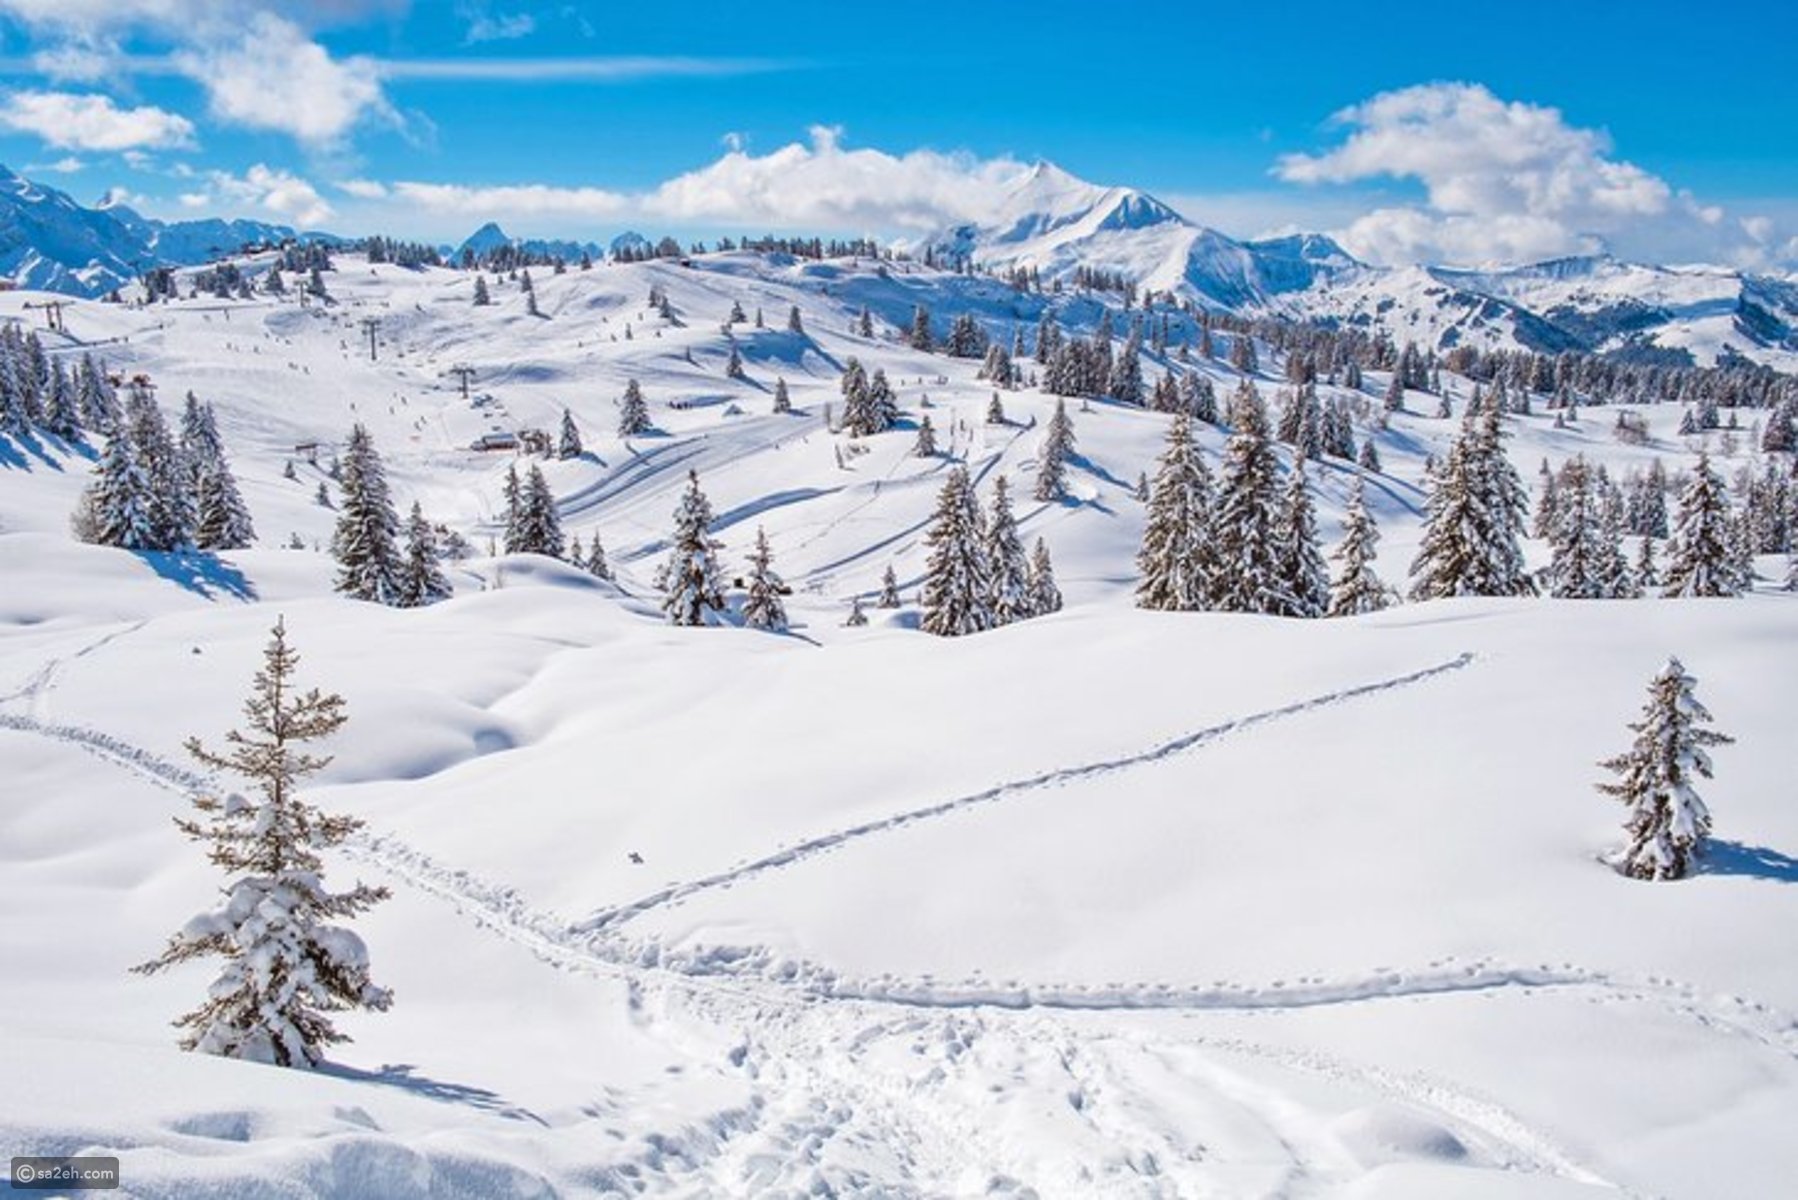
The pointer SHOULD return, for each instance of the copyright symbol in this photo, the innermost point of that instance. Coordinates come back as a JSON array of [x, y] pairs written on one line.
[[24, 1173]]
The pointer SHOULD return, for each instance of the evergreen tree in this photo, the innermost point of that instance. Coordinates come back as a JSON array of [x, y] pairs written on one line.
[[422, 580], [1125, 383], [1369, 458], [172, 509], [1668, 824], [1304, 581], [1052, 458], [1698, 558], [733, 367], [1643, 573], [889, 589], [690, 577], [882, 407], [1473, 518], [1249, 575], [857, 618], [782, 402], [287, 967], [224, 521], [1008, 581], [569, 445], [1177, 559], [926, 444], [536, 527], [995, 411], [795, 323], [633, 412], [957, 576], [118, 507], [1357, 588], [481, 298], [920, 338], [1045, 597], [596, 559], [763, 608], [365, 540]]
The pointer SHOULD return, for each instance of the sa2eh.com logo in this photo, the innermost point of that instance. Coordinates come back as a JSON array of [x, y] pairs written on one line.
[[36, 1173]]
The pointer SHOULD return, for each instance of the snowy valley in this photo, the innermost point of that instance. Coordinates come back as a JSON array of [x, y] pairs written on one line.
[[1105, 902]]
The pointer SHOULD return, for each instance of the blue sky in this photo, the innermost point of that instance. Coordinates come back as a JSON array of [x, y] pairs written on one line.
[[1651, 128]]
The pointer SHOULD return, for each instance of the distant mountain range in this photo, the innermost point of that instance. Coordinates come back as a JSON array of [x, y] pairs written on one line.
[[1056, 224], [50, 242]]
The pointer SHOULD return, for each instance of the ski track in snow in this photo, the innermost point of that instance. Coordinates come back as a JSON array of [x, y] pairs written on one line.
[[611, 918], [835, 1103]]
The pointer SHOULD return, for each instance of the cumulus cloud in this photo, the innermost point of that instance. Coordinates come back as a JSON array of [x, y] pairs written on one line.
[[363, 189], [74, 121], [485, 25], [821, 185], [521, 200], [270, 75], [264, 191], [1506, 181]]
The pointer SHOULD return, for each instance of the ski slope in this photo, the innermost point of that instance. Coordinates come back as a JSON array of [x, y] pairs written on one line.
[[1104, 904]]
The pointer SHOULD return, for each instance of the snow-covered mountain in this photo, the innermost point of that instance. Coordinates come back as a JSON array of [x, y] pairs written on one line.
[[51, 242], [491, 237], [1055, 223]]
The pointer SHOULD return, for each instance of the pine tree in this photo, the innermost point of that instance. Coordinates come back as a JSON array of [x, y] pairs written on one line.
[[286, 966], [534, 526], [795, 323], [1698, 558], [956, 577], [1668, 824], [1643, 573], [1357, 589], [1008, 584], [364, 542], [1304, 581], [782, 402], [733, 367], [1177, 558], [1245, 520], [422, 580], [596, 559], [1045, 597], [1473, 518], [569, 445], [857, 618], [995, 411], [889, 589], [633, 413], [882, 408], [1125, 383], [695, 592], [119, 503], [224, 521], [920, 338], [926, 444], [1052, 458], [763, 608], [171, 502], [481, 298]]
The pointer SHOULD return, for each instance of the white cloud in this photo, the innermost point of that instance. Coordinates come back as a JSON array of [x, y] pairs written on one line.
[[265, 190], [67, 165], [520, 200], [823, 186], [363, 189], [75, 121], [270, 75], [484, 25], [1505, 181]]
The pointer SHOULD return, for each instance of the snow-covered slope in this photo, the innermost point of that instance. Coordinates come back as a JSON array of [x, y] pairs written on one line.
[[1104, 904]]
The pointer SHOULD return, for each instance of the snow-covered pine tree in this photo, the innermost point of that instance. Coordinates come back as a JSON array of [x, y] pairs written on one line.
[[481, 297], [1357, 589], [920, 337], [1245, 519], [995, 411], [1474, 514], [733, 366], [1573, 535], [1178, 556], [956, 577], [596, 559], [1125, 383], [795, 322], [224, 521], [1052, 458], [690, 576], [118, 508], [633, 412], [1303, 578], [1668, 823], [539, 526], [854, 387], [925, 447], [857, 618], [1698, 557], [365, 539], [782, 402], [1045, 596], [287, 967], [422, 580], [889, 589], [1008, 587], [1643, 573], [1369, 458], [569, 444], [172, 512], [763, 608], [882, 409]]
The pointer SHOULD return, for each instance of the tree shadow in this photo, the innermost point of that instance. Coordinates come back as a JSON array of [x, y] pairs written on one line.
[[199, 572], [406, 1077], [1754, 862], [20, 450]]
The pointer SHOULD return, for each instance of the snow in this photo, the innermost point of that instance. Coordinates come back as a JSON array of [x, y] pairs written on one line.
[[1109, 903]]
